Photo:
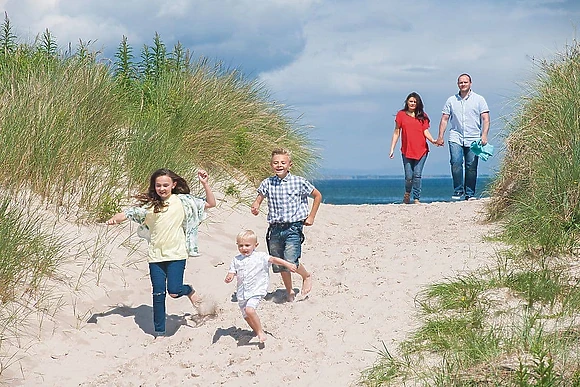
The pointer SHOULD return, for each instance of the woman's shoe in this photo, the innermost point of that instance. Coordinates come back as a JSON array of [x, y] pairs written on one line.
[[416, 201], [407, 198]]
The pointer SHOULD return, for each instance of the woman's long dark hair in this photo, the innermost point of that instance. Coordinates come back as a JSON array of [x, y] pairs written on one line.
[[419, 112], [151, 197]]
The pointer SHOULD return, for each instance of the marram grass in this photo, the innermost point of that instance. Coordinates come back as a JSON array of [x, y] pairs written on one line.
[[537, 191], [80, 136]]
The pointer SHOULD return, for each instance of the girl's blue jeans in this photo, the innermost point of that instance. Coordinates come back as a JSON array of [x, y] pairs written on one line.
[[166, 277], [413, 171]]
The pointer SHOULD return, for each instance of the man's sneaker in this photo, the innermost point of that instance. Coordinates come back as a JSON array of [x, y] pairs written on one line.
[[470, 198], [456, 197]]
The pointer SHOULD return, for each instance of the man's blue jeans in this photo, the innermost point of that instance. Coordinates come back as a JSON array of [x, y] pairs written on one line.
[[459, 154], [413, 170], [166, 276]]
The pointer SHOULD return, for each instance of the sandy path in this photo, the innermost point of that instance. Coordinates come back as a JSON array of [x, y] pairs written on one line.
[[369, 262]]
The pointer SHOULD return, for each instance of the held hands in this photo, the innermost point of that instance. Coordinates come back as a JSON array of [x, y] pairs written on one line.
[[292, 267]]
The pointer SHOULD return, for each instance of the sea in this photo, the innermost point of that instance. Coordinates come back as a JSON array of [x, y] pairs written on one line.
[[388, 190]]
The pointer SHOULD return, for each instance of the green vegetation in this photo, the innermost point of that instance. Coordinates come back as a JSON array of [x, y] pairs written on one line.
[[28, 253], [537, 192], [513, 324], [81, 135], [492, 328]]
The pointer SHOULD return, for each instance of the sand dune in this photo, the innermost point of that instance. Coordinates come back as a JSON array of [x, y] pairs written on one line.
[[368, 263]]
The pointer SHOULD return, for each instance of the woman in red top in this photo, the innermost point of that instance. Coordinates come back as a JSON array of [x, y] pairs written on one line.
[[413, 122]]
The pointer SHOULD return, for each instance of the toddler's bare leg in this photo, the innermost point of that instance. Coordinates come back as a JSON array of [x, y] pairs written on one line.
[[254, 322]]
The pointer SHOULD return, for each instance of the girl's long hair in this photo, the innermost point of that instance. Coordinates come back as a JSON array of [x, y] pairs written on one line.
[[152, 198], [419, 112]]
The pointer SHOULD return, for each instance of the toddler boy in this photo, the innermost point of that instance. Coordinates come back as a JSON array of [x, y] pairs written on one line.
[[253, 271]]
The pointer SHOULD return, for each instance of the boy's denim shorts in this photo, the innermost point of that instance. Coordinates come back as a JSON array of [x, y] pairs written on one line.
[[285, 241]]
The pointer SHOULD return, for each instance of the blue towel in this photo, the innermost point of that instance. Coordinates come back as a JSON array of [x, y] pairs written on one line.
[[483, 151]]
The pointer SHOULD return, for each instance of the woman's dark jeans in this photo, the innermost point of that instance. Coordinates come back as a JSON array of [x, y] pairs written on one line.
[[413, 171]]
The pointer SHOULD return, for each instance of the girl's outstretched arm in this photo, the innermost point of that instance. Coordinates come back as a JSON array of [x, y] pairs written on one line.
[[209, 196], [117, 218]]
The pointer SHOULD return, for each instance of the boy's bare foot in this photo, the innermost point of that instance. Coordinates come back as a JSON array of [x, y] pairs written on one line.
[[291, 296], [306, 286]]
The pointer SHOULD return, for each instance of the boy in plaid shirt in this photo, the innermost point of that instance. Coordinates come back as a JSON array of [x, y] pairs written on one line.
[[287, 214]]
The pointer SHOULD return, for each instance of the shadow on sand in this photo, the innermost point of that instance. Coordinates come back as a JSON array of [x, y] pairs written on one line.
[[241, 336], [143, 316], [277, 296]]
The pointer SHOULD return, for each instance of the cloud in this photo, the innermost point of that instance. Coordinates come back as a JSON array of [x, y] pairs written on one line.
[[257, 35], [344, 65], [353, 49]]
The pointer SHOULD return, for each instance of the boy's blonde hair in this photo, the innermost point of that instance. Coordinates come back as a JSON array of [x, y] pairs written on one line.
[[247, 235], [281, 151]]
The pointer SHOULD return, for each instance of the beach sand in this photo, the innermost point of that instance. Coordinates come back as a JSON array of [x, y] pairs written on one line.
[[368, 263]]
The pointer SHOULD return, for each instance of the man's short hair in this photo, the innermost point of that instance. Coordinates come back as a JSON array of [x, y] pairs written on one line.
[[464, 75]]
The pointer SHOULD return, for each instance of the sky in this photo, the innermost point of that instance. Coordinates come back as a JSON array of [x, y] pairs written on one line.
[[343, 67]]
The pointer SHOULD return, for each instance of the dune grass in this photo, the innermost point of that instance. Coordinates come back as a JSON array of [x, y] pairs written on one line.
[[515, 323], [81, 134], [29, 253], [78, 129], [537, 192], [490, 328]]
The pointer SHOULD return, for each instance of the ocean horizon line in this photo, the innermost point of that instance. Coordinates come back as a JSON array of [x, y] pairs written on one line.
[[386, 177], [387, 190]]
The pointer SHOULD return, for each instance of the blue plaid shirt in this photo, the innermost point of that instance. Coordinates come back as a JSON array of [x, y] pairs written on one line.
[[287, 198]]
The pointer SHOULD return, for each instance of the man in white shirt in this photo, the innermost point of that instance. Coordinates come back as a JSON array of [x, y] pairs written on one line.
[[468, 116]]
